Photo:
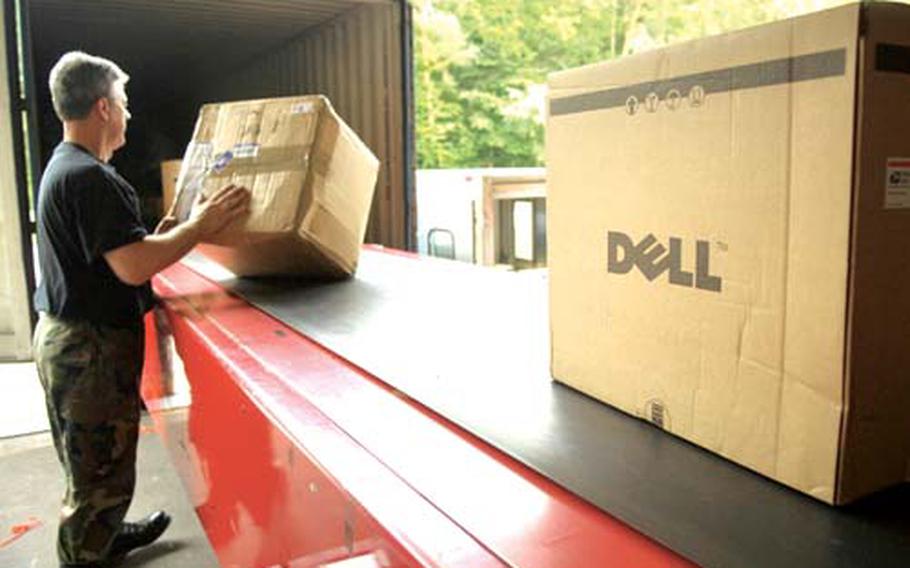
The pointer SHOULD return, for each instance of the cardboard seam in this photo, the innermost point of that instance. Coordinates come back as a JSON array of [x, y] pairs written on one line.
[[317, 242], [786, 273], [858, 100], [302, 207]]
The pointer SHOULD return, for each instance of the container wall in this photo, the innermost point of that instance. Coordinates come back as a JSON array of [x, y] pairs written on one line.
[[354, 59], [15, 323]]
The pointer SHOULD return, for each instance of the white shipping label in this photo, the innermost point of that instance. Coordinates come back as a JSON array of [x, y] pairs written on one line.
[[302, 108], [247, 150], [897, 184]]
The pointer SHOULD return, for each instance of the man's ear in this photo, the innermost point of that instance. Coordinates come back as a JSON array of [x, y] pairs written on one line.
[[103, 108]]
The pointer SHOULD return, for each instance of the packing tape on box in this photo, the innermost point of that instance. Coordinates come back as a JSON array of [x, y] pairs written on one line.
[[285, 159], [226, 166], [695, 87]]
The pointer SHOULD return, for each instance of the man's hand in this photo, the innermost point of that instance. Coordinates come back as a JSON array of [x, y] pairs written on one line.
[[135, 263], [211, 215]]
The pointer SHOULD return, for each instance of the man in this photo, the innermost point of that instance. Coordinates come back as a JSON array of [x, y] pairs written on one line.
[[96, 260]]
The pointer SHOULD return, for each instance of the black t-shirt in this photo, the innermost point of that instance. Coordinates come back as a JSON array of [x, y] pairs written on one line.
[[86, 209]]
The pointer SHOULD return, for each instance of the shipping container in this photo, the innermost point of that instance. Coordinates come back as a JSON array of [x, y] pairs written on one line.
[[181, 54]]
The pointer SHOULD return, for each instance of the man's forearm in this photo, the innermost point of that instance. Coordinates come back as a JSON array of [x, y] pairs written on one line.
[[169, 247], [137, 262]]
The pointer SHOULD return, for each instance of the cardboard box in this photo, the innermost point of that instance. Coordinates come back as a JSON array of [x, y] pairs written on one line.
[[311, 178], [170, 171], [728, 244]]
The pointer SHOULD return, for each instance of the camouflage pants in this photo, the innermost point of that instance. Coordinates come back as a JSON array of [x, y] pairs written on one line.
[[90, 375]]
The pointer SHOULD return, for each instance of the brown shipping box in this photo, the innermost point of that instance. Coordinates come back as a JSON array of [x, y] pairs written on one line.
[[311, 178], [729, 244]]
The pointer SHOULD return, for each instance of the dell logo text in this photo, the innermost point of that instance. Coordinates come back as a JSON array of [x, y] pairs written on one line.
[[654, 259]]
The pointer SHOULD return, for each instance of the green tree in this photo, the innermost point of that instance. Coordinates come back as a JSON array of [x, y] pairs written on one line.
[[440, 45], [477, 64]]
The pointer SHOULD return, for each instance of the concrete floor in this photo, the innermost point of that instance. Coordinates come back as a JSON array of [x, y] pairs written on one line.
[[33, 486]]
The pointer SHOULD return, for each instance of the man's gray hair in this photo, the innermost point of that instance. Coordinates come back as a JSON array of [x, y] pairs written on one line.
[[78, 79]]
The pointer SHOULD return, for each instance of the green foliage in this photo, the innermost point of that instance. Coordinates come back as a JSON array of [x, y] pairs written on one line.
[[481, 63]]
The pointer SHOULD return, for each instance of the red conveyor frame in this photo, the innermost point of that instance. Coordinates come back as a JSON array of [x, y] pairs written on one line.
[[272, 452]]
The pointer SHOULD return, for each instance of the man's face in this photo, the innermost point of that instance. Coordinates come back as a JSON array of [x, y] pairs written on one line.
[[119, 115]]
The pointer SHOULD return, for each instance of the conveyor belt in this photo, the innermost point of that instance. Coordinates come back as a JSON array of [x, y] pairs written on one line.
[[473, 345]]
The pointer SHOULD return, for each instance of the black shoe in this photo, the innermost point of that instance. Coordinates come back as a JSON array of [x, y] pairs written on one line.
[[137, 535]]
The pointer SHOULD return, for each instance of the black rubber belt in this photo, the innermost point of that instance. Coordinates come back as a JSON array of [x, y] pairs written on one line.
[[472, 345]]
